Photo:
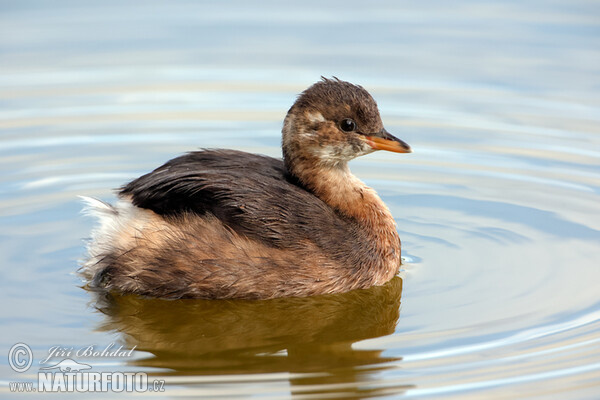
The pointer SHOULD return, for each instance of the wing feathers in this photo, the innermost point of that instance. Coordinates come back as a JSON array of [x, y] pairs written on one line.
[[251, 194]]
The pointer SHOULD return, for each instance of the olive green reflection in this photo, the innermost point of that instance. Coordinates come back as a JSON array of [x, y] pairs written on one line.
[[201, 337]]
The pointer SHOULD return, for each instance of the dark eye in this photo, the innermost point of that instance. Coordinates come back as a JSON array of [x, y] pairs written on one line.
[[348, 125]]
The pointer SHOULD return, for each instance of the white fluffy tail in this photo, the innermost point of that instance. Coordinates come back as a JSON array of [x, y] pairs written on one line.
[[107, 238], [99, 245], [119, 227], [97, 208]]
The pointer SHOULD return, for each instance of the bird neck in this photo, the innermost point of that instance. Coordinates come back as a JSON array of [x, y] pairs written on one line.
[[343, 191], [349, 196]]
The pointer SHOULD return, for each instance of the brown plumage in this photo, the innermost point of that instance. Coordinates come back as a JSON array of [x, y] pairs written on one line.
[[229, 224]]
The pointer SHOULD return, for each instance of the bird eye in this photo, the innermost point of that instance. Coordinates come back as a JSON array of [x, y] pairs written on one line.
[[348, 125]]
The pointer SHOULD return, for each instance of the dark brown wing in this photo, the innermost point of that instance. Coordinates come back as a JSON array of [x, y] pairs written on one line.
[[251, 194]]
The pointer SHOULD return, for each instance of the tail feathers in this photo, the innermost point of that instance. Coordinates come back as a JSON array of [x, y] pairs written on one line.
[[93, 207], [101, 244], [118, 229]]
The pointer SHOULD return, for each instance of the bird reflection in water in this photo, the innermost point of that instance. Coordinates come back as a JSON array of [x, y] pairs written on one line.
[[296, 335]]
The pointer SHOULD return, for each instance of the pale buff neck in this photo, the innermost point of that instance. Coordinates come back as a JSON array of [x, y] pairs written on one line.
[[348, 195]]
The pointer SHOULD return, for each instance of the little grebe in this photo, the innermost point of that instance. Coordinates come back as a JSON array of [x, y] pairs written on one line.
[[227, 224]]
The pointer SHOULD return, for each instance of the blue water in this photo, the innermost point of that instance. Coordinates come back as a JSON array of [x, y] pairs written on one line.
[[498, 207]]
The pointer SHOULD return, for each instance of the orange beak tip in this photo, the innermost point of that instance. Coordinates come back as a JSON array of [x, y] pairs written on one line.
[[396, 146]]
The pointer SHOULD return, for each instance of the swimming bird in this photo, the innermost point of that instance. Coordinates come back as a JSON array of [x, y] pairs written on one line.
[[220, 224]]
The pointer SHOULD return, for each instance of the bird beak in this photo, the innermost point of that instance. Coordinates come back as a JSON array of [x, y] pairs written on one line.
[[386, 141]]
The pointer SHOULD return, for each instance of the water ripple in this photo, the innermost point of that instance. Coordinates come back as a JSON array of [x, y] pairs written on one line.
[[499, 237]]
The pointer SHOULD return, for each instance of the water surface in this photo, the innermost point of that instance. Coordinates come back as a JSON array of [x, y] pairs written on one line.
[[498, 207]]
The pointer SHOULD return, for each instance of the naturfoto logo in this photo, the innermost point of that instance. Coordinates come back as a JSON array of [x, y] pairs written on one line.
[[69, 375]]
